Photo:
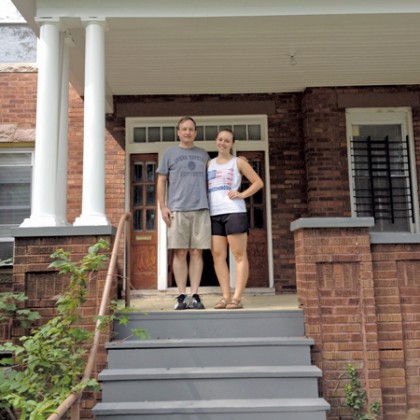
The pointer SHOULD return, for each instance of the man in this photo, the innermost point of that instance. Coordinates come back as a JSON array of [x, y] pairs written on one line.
[[182, 197]]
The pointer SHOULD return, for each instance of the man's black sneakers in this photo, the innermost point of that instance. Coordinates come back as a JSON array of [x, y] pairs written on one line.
[[195, 302], [181, 302]]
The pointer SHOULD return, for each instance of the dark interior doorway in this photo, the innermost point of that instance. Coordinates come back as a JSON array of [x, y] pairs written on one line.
[[208, 279]]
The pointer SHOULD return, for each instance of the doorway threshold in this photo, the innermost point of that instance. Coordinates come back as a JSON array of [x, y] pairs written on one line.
[[203, 291], [262, 299]]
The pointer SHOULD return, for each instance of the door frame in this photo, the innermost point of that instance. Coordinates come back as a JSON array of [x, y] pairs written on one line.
[[160, 147]]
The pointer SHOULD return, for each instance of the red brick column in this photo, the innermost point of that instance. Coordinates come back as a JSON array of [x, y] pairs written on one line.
[[335, 288], [33, 277]]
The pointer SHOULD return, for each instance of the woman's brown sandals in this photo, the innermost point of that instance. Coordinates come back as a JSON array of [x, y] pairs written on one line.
[[234, 304], [221, 304]]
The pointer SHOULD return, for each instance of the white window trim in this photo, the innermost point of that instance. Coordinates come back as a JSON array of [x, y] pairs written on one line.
[[209, 146], [401, 116]]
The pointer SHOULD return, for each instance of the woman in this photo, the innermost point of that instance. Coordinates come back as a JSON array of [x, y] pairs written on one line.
[[229, 217]]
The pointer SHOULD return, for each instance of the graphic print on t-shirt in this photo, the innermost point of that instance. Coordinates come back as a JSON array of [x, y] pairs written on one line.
[[191, 165], [220, 180]]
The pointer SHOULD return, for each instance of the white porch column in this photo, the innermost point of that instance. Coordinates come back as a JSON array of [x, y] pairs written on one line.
[[43, 201], [62, 154], [93, 196]]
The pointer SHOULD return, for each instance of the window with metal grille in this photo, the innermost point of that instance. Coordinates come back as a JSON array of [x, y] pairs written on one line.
[[382, 176]]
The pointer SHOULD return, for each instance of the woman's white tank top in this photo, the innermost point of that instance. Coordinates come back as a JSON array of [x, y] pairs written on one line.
[[221, 179]]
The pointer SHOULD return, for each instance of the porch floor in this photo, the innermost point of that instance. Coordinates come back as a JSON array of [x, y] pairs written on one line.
[[253, 299]]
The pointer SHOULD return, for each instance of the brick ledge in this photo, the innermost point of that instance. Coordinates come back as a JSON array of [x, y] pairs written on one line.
[[331, 222], [26, 232]]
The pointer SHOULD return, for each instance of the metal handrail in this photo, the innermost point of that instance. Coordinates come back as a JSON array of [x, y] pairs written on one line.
[[73, 400]]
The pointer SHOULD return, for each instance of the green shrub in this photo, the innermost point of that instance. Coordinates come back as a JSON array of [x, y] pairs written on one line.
[[10, 312], [49, 364]]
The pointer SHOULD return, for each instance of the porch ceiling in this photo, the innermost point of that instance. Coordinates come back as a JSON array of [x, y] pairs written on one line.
[[248, 53], [261, 54]]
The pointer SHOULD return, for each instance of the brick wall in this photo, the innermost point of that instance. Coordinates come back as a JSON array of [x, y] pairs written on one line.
[[397, 294], [41, 284], [325, 154], [17, 112], [18, 109], [288, 185], [361, 304]]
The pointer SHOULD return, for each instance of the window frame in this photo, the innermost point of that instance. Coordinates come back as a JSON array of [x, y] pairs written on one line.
[[5, 229], [384, 116]]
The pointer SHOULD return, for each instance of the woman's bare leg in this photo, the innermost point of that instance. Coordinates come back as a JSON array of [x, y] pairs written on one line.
[[238, 245], [219, 252]]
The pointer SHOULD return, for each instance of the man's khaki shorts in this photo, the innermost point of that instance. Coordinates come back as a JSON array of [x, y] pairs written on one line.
[[190, 230]]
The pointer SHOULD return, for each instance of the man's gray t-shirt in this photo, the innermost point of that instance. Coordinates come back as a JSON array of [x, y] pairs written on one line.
[[186, 170]]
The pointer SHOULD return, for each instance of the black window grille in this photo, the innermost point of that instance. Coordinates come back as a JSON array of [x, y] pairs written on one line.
[[382, 181]]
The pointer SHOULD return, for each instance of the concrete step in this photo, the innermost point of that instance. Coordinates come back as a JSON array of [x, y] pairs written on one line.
[[206, 383], [261, 351], [213, 324], [249, 409]]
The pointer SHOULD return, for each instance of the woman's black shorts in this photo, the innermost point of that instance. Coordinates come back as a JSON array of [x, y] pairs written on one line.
[[229, 224]]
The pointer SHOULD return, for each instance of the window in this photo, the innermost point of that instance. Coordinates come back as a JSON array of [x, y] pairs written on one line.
[[15, 194], [255, 204], [204, 132], [382, 174]]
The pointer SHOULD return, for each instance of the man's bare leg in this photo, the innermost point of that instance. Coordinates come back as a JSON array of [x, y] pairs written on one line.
[[180, 268], [195, 269]]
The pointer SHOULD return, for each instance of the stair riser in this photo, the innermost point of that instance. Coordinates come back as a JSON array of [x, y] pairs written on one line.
[[209, 356], [221, 415], [203, 324], [207, 389]]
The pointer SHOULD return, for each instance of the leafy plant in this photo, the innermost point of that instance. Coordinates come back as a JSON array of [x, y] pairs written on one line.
[[49, 363], [9, 310], [356, 397], [119, 313], [9, 307]]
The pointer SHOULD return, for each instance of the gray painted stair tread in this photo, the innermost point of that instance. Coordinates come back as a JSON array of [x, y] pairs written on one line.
[[210, 342], [249, 405], [210, 372]]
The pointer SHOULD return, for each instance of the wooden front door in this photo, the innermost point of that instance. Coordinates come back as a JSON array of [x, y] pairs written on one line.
[[257, 219], [143, 207]]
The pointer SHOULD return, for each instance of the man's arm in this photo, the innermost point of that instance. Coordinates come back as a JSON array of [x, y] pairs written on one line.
[[161, 196]]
